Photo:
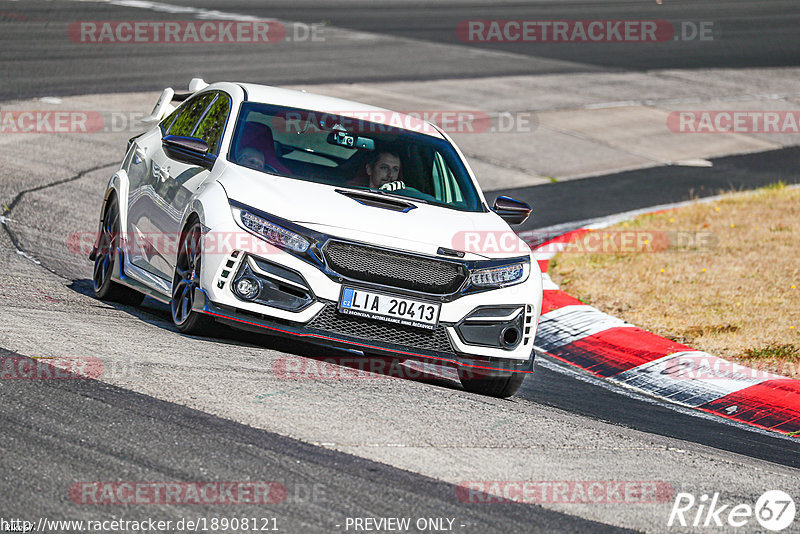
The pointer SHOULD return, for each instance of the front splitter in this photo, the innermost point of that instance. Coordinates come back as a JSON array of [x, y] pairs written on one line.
[[236, 319]]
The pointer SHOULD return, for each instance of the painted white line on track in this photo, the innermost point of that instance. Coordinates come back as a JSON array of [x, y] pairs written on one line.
[[28, 257], [607, 105], [161, 7], [699, 162], [4, 220]]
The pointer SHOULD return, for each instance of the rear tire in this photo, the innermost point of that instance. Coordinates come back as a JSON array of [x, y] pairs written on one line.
[[502, 386], [104, 287]]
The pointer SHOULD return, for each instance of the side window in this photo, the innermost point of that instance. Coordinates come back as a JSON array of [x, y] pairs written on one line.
[[166, 123], [212, 126], [189, 114]]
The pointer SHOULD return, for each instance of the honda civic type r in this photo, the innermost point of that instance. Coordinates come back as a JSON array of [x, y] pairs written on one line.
[[322, 219]]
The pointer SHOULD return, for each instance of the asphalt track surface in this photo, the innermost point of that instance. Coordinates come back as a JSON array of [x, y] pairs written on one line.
[[590, 198], [57, 432], [748, 34], [36, 54]]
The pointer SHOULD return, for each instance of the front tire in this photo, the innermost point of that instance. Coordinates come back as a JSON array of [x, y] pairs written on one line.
[[186, 280], [104, 287], [497, 385]]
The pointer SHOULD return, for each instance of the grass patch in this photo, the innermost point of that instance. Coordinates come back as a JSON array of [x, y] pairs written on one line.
[[721, 277], [788, 352]]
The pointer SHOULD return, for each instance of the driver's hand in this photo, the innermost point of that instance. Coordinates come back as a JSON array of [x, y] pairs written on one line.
[[393, 186]]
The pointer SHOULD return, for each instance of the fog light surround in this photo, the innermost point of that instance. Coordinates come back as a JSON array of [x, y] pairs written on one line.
[[493, 326], [247, 288]]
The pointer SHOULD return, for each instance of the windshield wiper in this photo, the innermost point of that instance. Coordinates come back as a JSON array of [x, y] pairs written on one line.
[[384, 192]]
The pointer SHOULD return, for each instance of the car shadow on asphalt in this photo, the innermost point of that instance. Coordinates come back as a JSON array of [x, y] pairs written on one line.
[[329, 362]]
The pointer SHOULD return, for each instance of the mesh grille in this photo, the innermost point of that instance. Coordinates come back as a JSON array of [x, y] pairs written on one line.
[[394, 269], [330, 320]]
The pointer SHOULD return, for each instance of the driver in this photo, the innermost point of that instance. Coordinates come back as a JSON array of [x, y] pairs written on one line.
[[384, 170], [251, 157]]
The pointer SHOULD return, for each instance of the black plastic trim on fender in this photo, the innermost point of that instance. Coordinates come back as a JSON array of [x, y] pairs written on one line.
[[119, 276]]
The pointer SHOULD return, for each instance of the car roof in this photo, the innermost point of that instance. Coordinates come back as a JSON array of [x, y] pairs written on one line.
[[338, 106]]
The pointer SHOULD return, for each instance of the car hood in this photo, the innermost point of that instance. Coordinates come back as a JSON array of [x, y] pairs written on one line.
[[423, 229]]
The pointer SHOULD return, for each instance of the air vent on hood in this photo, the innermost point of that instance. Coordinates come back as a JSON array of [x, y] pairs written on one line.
[[377, 201]]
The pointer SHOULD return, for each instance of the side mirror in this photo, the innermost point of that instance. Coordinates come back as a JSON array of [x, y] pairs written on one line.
[[511, 210], [189, 150]]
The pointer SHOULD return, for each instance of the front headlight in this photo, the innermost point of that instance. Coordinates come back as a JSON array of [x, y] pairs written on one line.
[[274, 234], [506, 275]]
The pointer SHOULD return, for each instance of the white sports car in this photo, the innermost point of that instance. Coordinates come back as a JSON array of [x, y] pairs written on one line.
[[325, 220]]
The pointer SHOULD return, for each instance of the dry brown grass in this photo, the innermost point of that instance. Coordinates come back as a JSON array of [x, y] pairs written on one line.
[[735, 296]]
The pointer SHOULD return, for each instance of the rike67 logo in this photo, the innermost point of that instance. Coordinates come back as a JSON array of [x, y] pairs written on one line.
[[774, 511]]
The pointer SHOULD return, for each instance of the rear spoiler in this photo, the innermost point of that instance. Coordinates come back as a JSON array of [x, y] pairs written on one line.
[[164, 105]]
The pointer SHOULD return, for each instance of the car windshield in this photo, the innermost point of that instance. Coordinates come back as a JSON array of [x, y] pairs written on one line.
[[352, 153]]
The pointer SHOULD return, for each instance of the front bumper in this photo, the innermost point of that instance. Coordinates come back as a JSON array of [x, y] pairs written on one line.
[[316, 332], [311, 314]]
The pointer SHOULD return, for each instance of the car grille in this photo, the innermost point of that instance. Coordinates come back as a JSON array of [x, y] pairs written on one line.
[[329, 320], [394, 269]]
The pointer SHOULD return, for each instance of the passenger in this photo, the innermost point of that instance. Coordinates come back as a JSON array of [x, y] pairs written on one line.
[[251, 157]]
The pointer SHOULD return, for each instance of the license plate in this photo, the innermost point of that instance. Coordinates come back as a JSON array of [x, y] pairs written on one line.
[[390, 308]]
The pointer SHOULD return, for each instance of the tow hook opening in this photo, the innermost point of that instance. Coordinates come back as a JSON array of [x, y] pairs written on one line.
[[510, 337]]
